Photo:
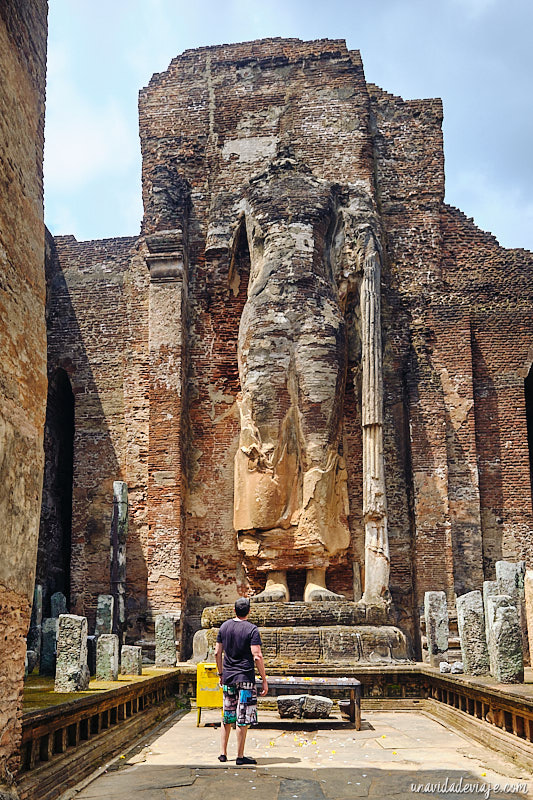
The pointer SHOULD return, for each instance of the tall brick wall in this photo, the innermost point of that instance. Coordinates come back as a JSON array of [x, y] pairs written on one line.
[[147, 332], [23, 27]]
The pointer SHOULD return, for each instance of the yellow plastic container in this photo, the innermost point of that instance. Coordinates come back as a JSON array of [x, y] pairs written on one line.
[[208, 689]]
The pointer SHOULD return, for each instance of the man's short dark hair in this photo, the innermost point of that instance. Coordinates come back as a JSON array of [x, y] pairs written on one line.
[[242, 607]]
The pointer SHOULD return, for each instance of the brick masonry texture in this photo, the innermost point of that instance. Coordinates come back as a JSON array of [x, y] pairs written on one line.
[[146, 329], [23, 27]]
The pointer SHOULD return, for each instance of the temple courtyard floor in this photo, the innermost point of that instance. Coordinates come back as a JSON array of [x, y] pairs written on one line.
[[395, 754]]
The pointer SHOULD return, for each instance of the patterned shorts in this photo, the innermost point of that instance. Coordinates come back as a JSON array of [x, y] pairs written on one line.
[[240, 704]]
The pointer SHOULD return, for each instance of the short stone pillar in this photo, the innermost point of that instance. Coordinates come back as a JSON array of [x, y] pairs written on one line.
[[58, 604], [471, 624], [165, 640], [104, 614], [131, 660], [490, 589], [50, 629], [437, 629], [72, 672], [505, 640], [510, 577], [528, 597], [33, 641], [91, 654], [107, 657]]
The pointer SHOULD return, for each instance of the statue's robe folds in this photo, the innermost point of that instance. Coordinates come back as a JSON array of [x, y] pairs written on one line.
[[291, 500]]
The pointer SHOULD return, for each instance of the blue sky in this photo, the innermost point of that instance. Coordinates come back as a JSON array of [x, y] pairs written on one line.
[[475, 54]]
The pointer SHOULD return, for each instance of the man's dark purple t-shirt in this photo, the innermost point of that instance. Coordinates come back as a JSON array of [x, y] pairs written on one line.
[[236, 637]]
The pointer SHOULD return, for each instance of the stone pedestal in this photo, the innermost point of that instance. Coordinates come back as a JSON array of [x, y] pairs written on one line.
[[437, 629], [322, 633], [50, 629], [471, 624], [104, 614], [505, 640], [107, 657], [165, 640], [72, 672], [58, 604], [131, 661]]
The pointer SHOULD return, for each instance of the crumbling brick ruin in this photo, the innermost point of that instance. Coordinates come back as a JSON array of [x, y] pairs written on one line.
[[277, 153]]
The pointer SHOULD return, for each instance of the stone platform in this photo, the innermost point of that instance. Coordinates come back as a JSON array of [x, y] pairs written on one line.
[[318, 633]]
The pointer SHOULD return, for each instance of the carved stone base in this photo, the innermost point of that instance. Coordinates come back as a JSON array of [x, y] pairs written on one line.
[[318, 613]]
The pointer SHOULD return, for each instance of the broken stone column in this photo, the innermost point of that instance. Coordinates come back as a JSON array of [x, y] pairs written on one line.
[[72, 672], [510, 577], [505, 640], [131, 660], [58, 604], [107, 657], [34, 633], [471, 624], [119, 535], [91, 654], [165, 640], [490, 589], [528, 597], [304, 705], [50, 629], [104, 614], [437, 629]]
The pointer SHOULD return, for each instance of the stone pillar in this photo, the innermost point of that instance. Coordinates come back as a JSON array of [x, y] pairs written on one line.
[[510, 578], [104, 614], [58, 604], [490, 589], [165, 640], [131, 660], [528, 597], [505, 640], [50, 629], [35, 631], [119, 535], [471, 624], [107, 657], [167, 262], [377, 560], [72, 672], [437, 629]]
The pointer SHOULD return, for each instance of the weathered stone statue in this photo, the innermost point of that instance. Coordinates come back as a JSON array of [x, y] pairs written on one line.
[[311, 244]]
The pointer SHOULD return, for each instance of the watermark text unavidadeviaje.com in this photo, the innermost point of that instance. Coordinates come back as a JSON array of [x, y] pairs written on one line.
[[460, 786]]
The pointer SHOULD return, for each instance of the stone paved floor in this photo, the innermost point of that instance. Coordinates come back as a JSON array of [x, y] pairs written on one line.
[[391, 756]]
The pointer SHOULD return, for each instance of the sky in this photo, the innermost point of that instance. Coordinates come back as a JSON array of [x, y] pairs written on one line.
[[474, 54]]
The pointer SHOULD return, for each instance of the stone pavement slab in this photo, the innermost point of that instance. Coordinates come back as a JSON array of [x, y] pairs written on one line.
[[397, 754]]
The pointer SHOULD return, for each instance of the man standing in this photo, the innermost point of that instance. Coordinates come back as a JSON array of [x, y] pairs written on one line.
[[240, 642]]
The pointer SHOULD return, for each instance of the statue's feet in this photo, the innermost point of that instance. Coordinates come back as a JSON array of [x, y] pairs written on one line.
[[275, 591], [315, 587], [314, 593]]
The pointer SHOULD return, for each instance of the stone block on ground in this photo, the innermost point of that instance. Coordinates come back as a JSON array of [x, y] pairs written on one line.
[[314, 705], [457, 668], [104, 614], [165, 640], [437, 628], [490, 589], [50, 629], [471, 624], [131, 661], [107, 657], [31, 661], [290, 705], [445, 667], [58, 604], [505, 640], [72, 672]]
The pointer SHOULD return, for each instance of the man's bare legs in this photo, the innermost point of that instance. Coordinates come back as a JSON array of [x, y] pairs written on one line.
[[225, 731], [242, 730]]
